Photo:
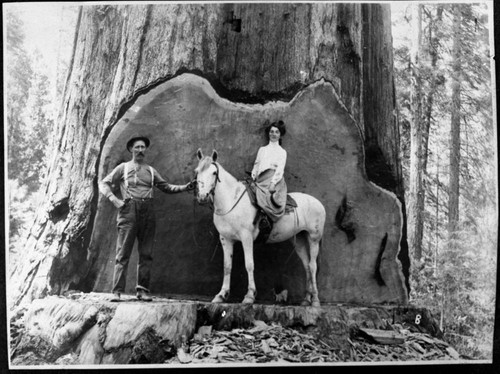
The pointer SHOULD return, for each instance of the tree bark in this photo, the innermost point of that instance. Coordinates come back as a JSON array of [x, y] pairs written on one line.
[[251, 53], [454, 186], [417, 193], [433, 42]]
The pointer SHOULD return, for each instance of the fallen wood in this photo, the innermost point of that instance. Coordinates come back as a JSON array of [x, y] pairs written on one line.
[[383, 336]]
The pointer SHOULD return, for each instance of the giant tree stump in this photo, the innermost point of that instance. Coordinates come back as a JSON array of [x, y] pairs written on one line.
[[358, 258], [87, 329]]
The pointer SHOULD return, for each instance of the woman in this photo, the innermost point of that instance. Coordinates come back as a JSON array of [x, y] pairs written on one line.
[[268, 173]]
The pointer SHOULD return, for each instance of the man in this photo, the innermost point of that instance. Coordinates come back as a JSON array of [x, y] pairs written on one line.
[[136, 214]]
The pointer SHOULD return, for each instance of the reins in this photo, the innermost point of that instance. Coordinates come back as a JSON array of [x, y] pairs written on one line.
[[236, 203]]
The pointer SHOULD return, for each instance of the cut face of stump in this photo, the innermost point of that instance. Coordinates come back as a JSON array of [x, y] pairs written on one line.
[[358, 256]]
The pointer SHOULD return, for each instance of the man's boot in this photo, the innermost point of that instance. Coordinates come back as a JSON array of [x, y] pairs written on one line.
[[116, 297], [143, 295]]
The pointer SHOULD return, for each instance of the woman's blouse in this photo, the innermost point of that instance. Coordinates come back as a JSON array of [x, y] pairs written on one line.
[[271, 156]]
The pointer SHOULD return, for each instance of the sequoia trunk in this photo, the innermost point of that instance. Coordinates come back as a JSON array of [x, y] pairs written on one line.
[[250, 53]]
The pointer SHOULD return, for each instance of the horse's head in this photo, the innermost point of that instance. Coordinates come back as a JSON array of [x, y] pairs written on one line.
[[207, 175]]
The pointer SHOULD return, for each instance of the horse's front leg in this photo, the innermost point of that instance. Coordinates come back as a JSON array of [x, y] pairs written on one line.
[[247, 243], [227, 246]]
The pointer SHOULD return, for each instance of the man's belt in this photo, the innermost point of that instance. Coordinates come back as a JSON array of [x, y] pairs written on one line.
[[143, 199]]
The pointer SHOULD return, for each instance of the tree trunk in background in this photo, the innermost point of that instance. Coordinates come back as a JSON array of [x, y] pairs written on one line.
[[250, 53], [454, 184], [417, 193], [436, 216], [433, 43], [378, 105]]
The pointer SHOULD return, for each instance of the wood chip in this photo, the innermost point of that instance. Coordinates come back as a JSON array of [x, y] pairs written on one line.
[[275, 343], [205, 331], [452, 353], [418, 347], [265, 347], [184, 358]]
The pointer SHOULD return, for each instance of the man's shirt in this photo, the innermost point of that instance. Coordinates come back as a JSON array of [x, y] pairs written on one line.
[[140, 182]]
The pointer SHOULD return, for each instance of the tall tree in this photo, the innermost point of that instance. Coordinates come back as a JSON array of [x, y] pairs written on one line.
[[416, 193], [435, 79], [456, 77]]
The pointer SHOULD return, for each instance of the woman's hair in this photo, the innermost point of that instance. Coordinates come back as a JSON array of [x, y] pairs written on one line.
[[280, 125]]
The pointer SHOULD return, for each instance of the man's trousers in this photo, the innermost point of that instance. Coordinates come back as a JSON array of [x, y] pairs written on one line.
[[135, 219]]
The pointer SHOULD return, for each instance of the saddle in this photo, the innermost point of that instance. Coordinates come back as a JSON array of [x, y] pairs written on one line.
[[265, 223]]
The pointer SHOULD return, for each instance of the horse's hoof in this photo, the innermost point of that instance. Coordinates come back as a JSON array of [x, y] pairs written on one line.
[[248, 300], [218, 299], [305, 303]]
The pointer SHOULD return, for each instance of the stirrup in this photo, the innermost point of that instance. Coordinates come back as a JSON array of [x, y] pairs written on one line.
[[265, 227], [265, 223]]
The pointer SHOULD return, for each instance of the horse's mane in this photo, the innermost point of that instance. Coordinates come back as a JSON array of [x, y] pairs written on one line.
[[204, 164]]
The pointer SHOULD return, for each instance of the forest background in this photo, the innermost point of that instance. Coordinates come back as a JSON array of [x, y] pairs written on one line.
[[444, 92]]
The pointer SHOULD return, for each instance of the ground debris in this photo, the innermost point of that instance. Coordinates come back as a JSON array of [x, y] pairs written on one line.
[[259, 344], [263, 343], [414, 347]]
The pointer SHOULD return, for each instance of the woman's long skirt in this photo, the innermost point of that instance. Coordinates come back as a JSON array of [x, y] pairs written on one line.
[[272, 203]]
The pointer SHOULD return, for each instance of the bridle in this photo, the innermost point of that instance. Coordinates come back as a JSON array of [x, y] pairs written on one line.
[[211, 193], [217, 179]]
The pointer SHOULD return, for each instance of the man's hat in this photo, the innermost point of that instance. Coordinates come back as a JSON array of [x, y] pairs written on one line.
[[130, 143]]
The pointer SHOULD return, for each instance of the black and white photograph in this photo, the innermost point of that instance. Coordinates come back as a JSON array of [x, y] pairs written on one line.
[[260, 184]]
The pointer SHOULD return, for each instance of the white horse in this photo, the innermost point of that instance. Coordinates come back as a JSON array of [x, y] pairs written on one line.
[[234, 216]]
